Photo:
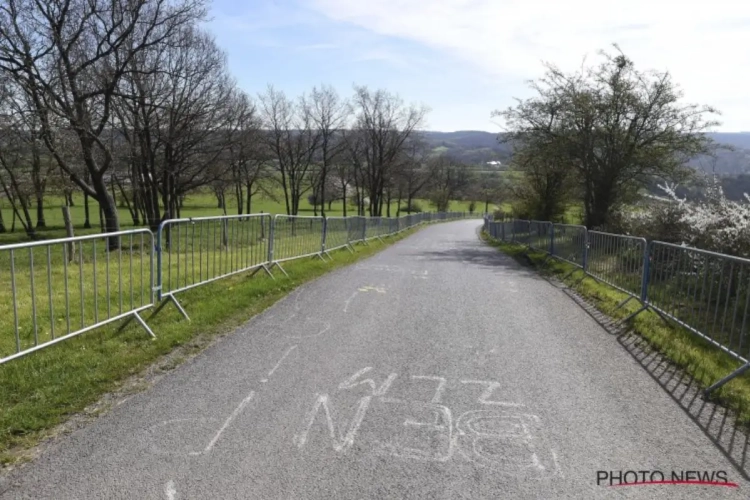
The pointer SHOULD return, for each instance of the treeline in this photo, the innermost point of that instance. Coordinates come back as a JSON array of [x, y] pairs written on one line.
[[599, 138], [132, 100]]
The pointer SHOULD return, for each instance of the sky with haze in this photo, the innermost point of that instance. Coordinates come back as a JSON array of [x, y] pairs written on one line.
[[466, 58]]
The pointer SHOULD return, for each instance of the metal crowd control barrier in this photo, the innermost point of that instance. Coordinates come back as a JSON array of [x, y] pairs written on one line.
[[336, 234], [374, 228], [53, 290], [196, 251], [521, 231], [540, 236], [619, 261], [706, 293], [392, 225], [295, 237], [569, 244], [61, 288], [356, 227]]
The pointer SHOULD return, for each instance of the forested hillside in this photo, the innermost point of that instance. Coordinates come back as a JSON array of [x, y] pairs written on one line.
[[473, 146]]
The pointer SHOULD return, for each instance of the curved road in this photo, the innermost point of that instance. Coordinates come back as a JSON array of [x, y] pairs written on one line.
[[438, 368]]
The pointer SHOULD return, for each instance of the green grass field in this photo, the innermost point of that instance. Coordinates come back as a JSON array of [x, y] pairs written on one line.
[[43, 389], [196, 205]]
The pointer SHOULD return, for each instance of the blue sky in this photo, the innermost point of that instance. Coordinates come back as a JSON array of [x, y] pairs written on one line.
[[466, 58]]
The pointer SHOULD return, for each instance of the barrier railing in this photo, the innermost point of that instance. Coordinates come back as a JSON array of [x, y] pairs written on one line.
[[618, 261], [295, 237], [540, 235], [356, 227], [336, 234], [569, 244], [521, 230], [393, 224], [374, 228], [196, 251], [706, 293], [54, 290]]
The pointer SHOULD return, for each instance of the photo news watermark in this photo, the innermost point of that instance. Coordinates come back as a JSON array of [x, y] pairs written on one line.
[[658, 477]]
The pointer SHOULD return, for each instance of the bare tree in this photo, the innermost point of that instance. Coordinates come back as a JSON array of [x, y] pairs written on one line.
[[383, 125], [178, 116], [292, 138], [68, 56], [329, 115], [449, 179], [412, 173], [248, 156], [25, 160]]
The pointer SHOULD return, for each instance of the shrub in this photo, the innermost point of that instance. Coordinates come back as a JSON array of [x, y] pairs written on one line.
[[415, 209], [713, 223]]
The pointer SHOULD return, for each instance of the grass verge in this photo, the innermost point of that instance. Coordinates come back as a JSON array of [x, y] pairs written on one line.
[[45, 389], [696, 357]]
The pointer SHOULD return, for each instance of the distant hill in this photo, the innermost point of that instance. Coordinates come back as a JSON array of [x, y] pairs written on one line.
[[477, 147], [736, 139]]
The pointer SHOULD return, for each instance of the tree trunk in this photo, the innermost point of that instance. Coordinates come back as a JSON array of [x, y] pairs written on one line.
[[249, 197], [239, 197], [343, 190], [111, 221], [2, 223], [40, 222], [598, 206], [322, 194], [87, 222]]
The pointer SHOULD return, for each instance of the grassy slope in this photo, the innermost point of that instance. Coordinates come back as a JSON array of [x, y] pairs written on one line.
[[699, 359], [44, 389]]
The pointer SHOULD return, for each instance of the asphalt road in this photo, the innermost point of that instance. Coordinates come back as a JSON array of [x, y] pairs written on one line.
[[438, 368]]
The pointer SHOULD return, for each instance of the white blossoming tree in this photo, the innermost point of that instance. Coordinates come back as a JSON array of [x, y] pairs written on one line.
[[710, 223]]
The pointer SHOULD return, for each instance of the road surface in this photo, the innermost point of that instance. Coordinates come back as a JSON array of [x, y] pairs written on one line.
[[438, 368]]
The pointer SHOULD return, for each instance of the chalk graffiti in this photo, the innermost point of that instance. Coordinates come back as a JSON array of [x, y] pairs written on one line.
[[501, 435]]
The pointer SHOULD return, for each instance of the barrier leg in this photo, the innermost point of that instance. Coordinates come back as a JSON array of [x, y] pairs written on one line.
[[137, 317], [165, 300], [621, 304], [280, 268], [143, 324], [265, 268], [633, 315], [728, 378]]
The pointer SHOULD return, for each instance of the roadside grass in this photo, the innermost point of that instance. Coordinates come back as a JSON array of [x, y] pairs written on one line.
[[44, 389], [700, 360]]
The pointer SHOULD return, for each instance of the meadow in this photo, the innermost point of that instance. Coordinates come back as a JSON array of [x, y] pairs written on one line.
[[195, 205]]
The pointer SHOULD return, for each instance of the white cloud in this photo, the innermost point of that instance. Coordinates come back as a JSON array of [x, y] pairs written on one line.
[[706, 46]]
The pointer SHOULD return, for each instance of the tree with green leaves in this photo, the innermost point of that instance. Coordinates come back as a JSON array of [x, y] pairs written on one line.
[[612, 126]]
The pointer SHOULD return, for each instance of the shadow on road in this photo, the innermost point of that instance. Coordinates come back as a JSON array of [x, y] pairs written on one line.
[[716, 422], [484, 258]]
